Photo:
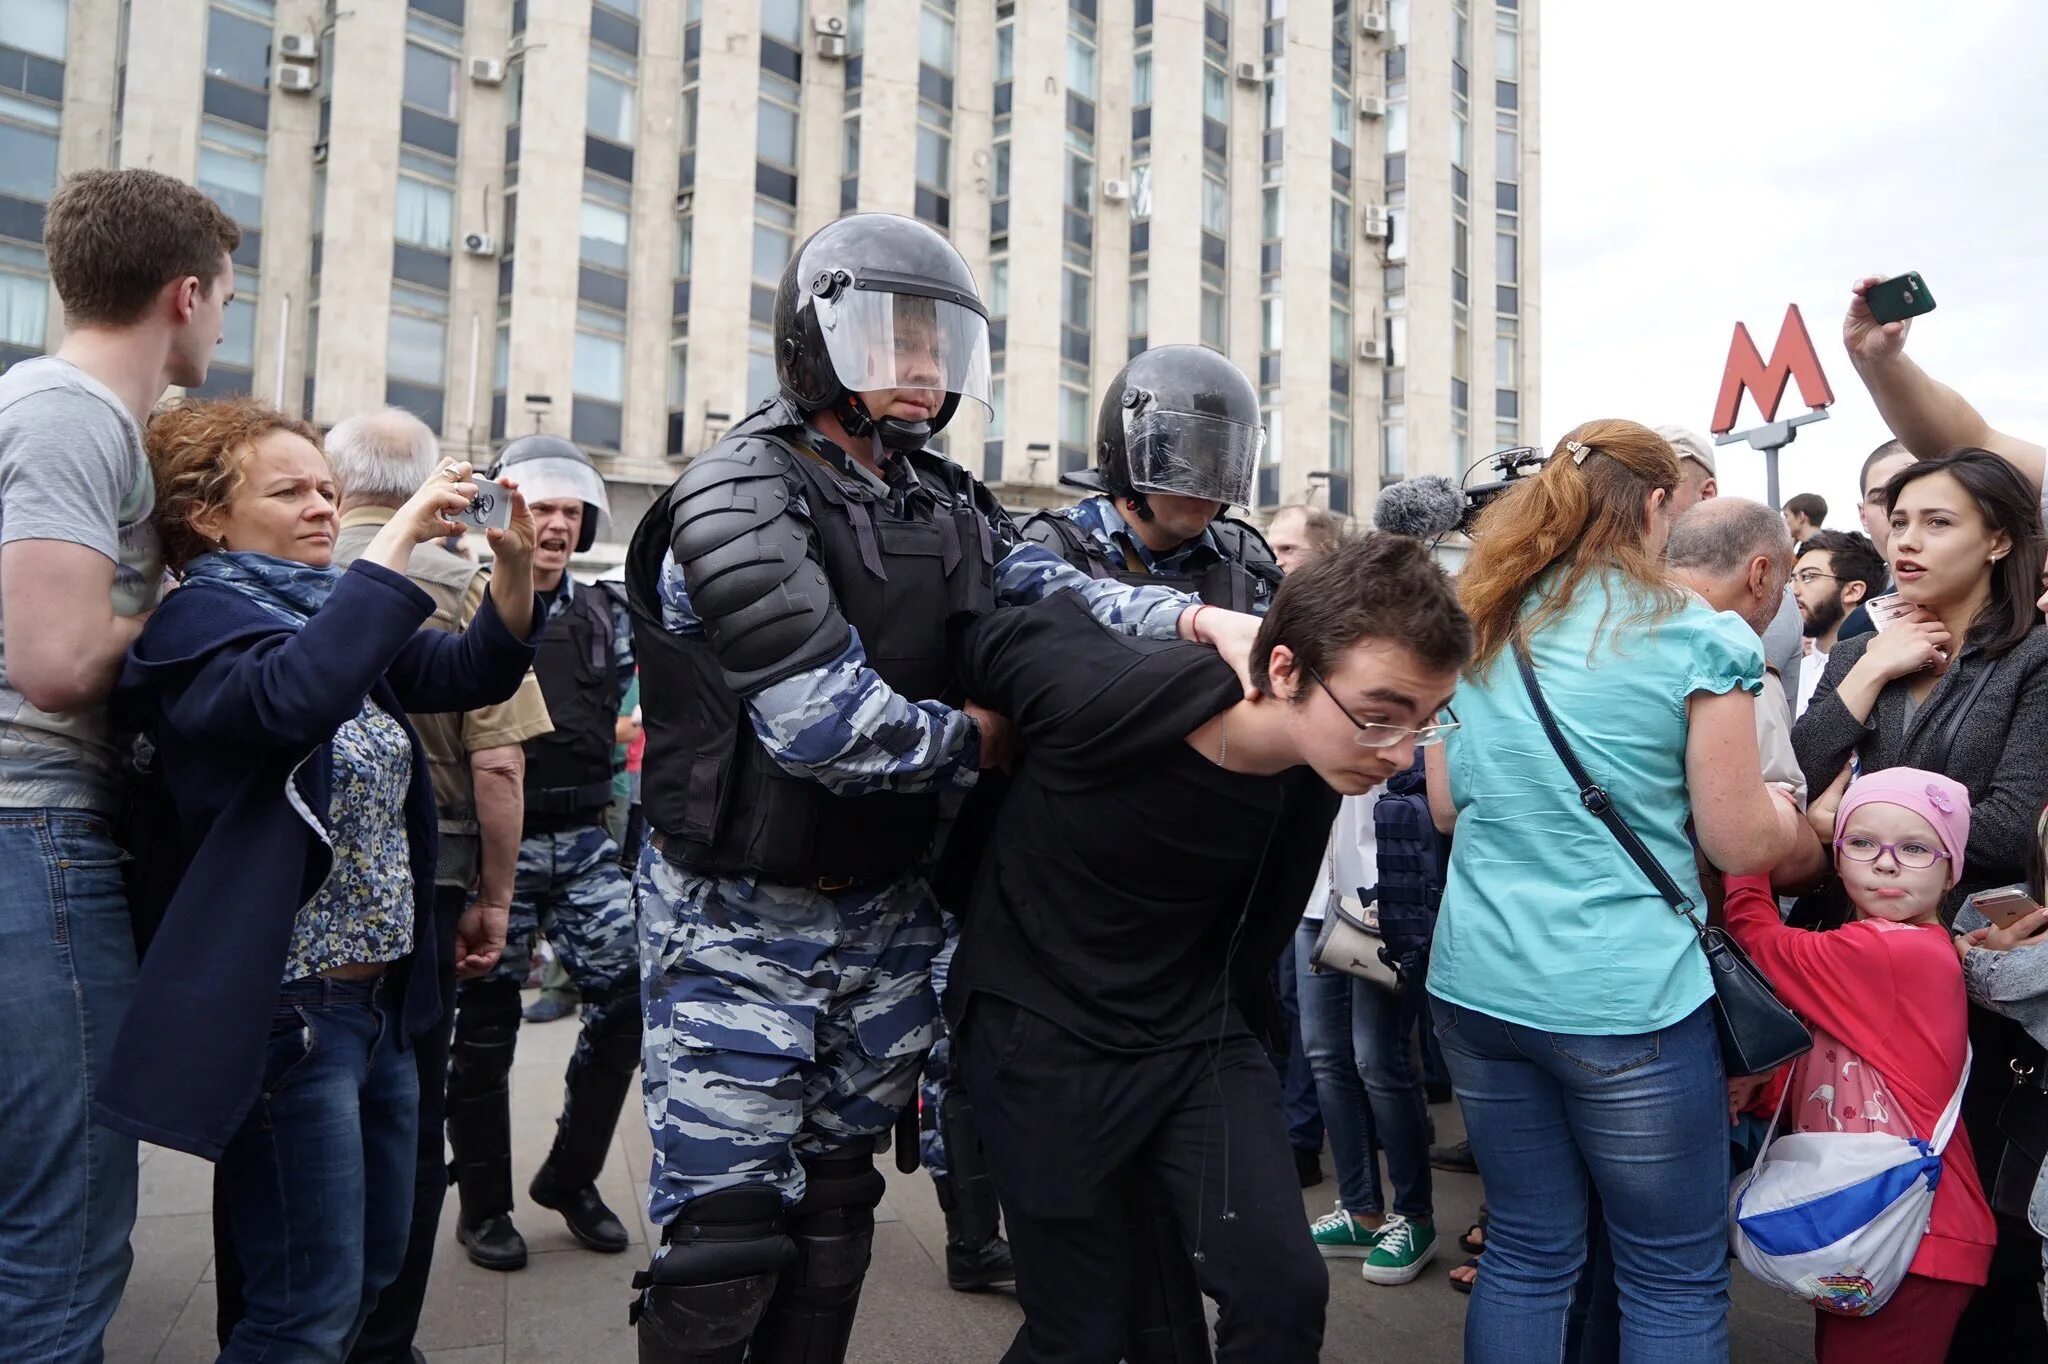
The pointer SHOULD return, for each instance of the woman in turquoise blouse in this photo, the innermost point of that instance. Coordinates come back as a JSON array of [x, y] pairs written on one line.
[[1571, 1002]]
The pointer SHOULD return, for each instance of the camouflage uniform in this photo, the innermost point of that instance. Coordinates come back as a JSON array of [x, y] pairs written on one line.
[[784, 1019]]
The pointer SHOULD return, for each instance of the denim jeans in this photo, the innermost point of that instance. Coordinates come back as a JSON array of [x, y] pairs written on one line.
[[317, 1186], [1356, 1035], [1641, 1118], [67, 1185]]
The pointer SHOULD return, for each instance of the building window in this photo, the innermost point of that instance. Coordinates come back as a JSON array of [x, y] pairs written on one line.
[[28, 163], [430, 81], [600, 367], [1215, 93], [1394, 441], [777, 135], [783, 20], [605, 232], [426, 214], [1141, 78], [774, 242], [1340, 116], [1080, 66], [1212, 315], [24, 299], [1076, 426], [237, 48], [1141, 306], [1215, 206], [417, 350], [608, 108], [36, 26]]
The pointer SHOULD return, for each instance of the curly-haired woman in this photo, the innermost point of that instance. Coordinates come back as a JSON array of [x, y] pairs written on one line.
[[294, 959]]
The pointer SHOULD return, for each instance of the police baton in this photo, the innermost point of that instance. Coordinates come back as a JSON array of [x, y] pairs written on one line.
[[906, 1138]]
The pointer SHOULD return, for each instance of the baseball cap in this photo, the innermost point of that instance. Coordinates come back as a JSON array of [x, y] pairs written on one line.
[[1690, 444]]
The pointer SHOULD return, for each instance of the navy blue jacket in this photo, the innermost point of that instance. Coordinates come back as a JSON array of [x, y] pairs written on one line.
[[243, 710]]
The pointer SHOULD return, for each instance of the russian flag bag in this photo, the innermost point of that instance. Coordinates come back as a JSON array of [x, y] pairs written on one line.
[[1835, 1218]]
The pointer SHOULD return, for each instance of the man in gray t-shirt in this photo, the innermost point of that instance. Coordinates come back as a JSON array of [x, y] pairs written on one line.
[[143, 266]]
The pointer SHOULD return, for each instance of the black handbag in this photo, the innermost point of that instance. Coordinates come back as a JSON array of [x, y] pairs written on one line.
[[1758, 1033]]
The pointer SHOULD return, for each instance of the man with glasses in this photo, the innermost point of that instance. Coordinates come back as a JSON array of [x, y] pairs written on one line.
[[1838, 571], [1160, 836]]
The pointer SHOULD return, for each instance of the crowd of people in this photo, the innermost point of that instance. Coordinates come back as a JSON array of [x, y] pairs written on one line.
[[1118, 861]]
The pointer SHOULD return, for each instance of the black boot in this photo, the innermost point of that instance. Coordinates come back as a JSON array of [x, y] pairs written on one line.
[[810, 1318], [600, 1076], [976, 1258], [480, 1122]]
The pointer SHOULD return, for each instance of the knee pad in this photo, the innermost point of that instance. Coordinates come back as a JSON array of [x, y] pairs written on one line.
[[486, 1028], [834, 1225], [614, 1025], [704, 1294]]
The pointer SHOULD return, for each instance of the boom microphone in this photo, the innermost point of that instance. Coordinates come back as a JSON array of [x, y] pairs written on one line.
[[1425, 507]]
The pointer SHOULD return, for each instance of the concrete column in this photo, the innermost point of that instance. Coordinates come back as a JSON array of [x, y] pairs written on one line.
[[888, 108], [1175, 257], [650, 302], [166, 74], [728, 91]]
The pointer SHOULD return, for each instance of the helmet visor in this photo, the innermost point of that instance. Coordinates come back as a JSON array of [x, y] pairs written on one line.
[[1187, 454], [552, 478], [880, 340]]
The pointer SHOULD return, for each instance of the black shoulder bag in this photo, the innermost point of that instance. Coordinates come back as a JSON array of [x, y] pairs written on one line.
[[1758, 1033]]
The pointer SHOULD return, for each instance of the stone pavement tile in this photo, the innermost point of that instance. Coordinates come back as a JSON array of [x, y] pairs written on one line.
[[174, 1183], [475, 1354], [192, 1340], [170, 1255], [570, 1305], [909, 1316], [465, 1305]]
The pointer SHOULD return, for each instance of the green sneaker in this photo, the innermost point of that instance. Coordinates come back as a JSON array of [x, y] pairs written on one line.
[[1340, 1237], [1401, 1251]]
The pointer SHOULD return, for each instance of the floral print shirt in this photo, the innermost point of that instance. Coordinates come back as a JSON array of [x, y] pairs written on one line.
[[364, 912]]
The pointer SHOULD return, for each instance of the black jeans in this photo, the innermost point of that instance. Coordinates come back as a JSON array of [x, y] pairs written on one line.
[[1068, 1128], [387, 1336]]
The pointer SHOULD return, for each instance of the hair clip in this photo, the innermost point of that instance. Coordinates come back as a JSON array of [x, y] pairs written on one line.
[[1579, 452], [1938, 798]]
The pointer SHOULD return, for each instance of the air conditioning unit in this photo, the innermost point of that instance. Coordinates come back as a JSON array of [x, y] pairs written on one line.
[[297, 80], [1370, 347], [1371, 106], [298, 47], [1115, 191], [828, 24], [685, 198], [1378, 223], [830, 47], [480, 244], [487, 70], [1373, 23], [1248, 73], [319, 153]]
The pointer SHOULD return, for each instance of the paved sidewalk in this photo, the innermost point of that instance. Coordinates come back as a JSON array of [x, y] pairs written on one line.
[[569, 1305]]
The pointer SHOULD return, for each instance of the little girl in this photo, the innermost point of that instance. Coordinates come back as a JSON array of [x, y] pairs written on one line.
[[1884, 996]]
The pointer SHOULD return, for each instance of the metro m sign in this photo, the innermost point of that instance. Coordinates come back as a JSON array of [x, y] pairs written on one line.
[[1792, 358]]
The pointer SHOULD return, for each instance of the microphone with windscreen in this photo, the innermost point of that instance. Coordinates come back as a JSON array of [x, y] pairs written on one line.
[[1426, 507]]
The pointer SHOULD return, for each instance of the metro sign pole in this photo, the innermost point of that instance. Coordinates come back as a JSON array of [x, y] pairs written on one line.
[[1793, 357]]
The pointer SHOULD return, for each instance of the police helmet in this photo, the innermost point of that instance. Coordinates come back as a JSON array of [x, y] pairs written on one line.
[[548, 468], [1181, 420], [875, 301]]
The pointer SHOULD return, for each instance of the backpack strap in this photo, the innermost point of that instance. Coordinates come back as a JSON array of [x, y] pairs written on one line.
[[1947, 1126]]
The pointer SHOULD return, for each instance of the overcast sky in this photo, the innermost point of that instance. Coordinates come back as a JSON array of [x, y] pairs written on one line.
[[1709, 163]]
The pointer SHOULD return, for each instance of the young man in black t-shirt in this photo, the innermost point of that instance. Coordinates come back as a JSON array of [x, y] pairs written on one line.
[[1154, 852]]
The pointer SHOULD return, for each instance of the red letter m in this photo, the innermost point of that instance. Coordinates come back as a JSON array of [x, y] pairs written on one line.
[[1792, 358]]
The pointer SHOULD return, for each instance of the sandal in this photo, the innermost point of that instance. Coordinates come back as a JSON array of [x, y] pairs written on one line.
[[1474, 1239], [1464, 1285]]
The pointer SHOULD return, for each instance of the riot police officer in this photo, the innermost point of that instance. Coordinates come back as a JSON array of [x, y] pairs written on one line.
[[1176, 447], [569, 885], [793, 593]]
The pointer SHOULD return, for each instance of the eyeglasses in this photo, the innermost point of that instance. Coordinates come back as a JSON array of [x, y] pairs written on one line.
[[1807, 577], [1377, 735], [1912, 856]]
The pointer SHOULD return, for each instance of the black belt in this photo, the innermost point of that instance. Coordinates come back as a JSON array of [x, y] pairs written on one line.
[[672, 851], [569, 800]]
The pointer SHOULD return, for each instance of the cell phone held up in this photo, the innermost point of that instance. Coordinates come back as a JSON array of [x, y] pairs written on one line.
[[1899, 298], [2004, 905], [490, 509]]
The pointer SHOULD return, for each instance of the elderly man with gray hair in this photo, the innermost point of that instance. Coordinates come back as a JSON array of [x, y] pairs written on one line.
[[479, 771]]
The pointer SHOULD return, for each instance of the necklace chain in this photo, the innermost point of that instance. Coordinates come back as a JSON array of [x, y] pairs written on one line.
[[1223, 743]]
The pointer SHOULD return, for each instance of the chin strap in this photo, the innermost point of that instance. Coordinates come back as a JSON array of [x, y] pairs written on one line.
[[895, 434]]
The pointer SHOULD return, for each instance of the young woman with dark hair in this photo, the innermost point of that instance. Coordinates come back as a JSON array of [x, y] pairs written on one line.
[[1958, 685]]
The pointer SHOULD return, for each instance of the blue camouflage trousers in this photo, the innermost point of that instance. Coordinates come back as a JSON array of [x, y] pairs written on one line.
[[938, 1069], [780, 1022], [570, 886]]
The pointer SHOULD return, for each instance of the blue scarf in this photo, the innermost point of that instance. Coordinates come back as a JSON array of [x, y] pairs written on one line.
[[290, 591]]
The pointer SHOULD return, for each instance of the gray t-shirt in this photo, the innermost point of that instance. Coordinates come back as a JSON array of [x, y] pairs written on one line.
[[71, 468]]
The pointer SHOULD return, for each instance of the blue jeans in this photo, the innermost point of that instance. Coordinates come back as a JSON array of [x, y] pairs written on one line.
[[1356, 1037], [67, 1186], [317, 1186], [1640, 1118]]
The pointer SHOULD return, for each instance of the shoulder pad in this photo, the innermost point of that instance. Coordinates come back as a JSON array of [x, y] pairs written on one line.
[[1242, 543]]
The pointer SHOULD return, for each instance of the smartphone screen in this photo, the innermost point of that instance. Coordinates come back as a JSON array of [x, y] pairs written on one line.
[[490, 509]]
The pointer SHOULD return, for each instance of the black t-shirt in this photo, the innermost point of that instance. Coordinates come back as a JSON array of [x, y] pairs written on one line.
[[1122, 859]]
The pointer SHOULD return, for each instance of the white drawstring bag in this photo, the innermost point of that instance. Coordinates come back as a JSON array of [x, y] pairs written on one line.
[[1835, 1218]]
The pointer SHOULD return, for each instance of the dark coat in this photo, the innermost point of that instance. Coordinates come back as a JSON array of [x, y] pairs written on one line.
[[243, 709]]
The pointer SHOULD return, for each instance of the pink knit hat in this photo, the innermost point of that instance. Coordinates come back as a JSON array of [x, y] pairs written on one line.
[[1943, 803]]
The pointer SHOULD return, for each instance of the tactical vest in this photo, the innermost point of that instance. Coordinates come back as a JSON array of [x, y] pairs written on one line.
[[1413, 861], [708, 787], [569, 771], [1235, 582]]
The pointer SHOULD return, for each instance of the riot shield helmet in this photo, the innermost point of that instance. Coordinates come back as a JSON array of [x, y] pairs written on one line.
[[1181, 420], [548, 468]]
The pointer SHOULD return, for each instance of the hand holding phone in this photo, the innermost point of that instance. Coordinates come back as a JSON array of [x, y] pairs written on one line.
[[2005, 905]]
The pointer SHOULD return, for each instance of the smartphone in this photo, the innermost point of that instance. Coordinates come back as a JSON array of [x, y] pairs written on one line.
[[2005, 905], [1886, 609], [490, 509], [1895, 300]]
